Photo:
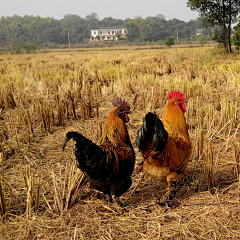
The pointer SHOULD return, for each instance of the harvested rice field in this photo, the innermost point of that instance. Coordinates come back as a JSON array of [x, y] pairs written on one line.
[[43, 96]]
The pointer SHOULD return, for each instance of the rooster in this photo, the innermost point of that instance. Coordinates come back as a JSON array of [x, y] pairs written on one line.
[[108, 166], [165, 144]]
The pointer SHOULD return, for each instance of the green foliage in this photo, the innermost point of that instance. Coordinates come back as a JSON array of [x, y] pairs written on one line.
[[19, 46], [132, 30], [236, 35], [157, 28], [50, 32], [218, 13], [202, 39], [30, 47], [16, 46], [118, 35], [219, 37], [98, 37], [169, 41]]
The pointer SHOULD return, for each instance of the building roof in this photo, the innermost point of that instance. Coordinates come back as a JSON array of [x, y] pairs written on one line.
[[104, 28]]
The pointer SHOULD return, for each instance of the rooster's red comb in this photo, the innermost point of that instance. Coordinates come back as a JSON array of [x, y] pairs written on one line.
[[175, 94], [120, 103]]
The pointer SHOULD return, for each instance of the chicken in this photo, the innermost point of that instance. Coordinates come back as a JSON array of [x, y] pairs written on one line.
[[109, 166], [165, 144]]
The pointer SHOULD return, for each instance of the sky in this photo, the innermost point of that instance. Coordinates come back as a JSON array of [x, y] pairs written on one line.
[[119, 9]]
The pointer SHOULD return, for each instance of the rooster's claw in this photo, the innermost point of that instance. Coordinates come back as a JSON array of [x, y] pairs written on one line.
[[123, 205], [169, 203], [158, 201]]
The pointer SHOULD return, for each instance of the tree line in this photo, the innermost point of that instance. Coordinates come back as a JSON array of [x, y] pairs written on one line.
[[220, 14], [39, 30]]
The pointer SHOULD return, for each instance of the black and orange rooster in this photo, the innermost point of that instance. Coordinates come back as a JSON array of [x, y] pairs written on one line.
[[109, 166], [165, 144]]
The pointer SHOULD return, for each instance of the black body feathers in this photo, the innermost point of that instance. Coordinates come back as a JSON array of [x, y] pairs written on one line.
[[108, 167]]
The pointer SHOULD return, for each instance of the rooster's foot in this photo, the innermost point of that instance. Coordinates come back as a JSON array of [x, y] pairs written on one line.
[[117, 200], [108, 197], [123, 205], [167, 199], [167, 202]]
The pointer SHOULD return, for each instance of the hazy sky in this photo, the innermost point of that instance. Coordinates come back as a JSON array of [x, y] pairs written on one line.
[[120, 9]]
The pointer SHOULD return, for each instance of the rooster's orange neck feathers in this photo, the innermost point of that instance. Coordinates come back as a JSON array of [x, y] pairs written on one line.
[[115, 129], [173, 117]]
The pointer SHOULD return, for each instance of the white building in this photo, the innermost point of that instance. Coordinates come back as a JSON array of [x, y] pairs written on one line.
[[198, 31], [107, 33]]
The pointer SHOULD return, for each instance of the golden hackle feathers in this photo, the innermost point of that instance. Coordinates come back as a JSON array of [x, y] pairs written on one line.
[[174, 121], [115, 130]]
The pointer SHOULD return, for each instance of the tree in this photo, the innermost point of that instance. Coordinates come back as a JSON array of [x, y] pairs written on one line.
[[138, 28], [221, 13], [132, 30], [161, 16], [111, 22], [118, 35], [169, 41], [201, 39], [236, 35], [92, 17], [35, 29]]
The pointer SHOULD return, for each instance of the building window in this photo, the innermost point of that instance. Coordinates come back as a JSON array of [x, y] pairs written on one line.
[[94, 33], [112, 32], [120, 31], [109, 32]]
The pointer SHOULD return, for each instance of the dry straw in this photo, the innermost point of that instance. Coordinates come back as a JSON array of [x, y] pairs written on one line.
[[210, 167], [2, 198], [43, 96], [236, 153], [32, 193], [68, 186]]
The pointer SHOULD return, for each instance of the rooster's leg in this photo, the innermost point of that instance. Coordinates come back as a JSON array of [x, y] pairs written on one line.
[[172, 191], [109, 198], [169, 195], [167, 198], [168, 192], [116, 199]]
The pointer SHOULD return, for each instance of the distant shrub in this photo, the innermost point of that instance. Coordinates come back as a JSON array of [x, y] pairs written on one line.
[[202, 39], [18, 46], [169, 41], [30, 47]]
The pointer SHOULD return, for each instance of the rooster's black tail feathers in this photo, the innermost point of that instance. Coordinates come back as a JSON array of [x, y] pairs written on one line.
[[153, 131], [69, 136], [89, 156]]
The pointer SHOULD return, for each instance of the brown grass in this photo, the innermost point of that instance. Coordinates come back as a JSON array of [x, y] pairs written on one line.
[[45, 95]]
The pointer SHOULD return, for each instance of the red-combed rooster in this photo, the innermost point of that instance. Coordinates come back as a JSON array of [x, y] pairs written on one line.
[[165, 145], [109, 166]]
